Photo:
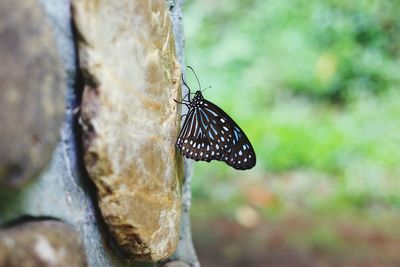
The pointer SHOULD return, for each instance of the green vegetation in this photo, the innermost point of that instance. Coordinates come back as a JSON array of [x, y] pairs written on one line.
[[315, 85]]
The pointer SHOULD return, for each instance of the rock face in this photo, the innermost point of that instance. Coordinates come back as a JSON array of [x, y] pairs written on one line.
[[32, 90], [130, 122], [41, 244]]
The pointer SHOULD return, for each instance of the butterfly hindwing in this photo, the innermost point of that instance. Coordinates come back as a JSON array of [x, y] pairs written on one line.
[[194, 142]]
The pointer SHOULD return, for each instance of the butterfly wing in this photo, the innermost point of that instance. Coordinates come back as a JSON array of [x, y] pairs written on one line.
[[192, 141], [238, 151], [208, 133]]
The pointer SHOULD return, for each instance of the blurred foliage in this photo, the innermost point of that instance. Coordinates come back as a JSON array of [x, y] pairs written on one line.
[[315, 86], [329, 50]]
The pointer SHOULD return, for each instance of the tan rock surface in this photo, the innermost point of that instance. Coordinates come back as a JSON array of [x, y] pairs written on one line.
[[32, 88], [41, 244], [130, 121]]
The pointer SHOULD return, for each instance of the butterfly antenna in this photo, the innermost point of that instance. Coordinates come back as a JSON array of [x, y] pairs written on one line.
[[206, 88], [195, 76]]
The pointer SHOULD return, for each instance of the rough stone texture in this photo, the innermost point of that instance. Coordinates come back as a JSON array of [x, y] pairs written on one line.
[[176, 264], [41, 244], [63, 189], [130, 121], [31, 94]]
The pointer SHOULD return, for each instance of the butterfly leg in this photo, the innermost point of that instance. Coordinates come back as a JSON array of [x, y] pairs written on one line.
[[188, 94], [183, 103]]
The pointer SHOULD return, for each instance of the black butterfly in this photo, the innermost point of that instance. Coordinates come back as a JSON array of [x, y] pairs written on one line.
[[208, 133]]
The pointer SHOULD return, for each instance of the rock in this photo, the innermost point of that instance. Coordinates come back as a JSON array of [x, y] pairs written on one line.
[[185, 251], [130, 121], [32, 92], [175, 264], [41, 244]]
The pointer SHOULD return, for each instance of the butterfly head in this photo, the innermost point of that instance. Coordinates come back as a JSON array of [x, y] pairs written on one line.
[[197, 99], [198, 95]]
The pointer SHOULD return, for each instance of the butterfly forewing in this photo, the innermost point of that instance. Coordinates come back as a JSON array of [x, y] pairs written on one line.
[[241, 155], [239, 152], [208, 133]]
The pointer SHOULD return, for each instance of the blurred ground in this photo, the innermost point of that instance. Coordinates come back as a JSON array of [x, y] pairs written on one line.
[[290, 242], [253, 234]]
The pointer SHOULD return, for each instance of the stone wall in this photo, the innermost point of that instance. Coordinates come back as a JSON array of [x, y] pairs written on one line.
[[89, 175]]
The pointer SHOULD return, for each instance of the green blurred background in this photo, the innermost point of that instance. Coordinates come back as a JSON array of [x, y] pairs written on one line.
[[315, 86]]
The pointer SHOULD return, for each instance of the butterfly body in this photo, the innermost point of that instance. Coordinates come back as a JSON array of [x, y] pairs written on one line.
[[208, 133]]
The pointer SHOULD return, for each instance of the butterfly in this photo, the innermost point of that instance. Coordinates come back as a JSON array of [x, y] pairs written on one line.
[[208, 133]]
